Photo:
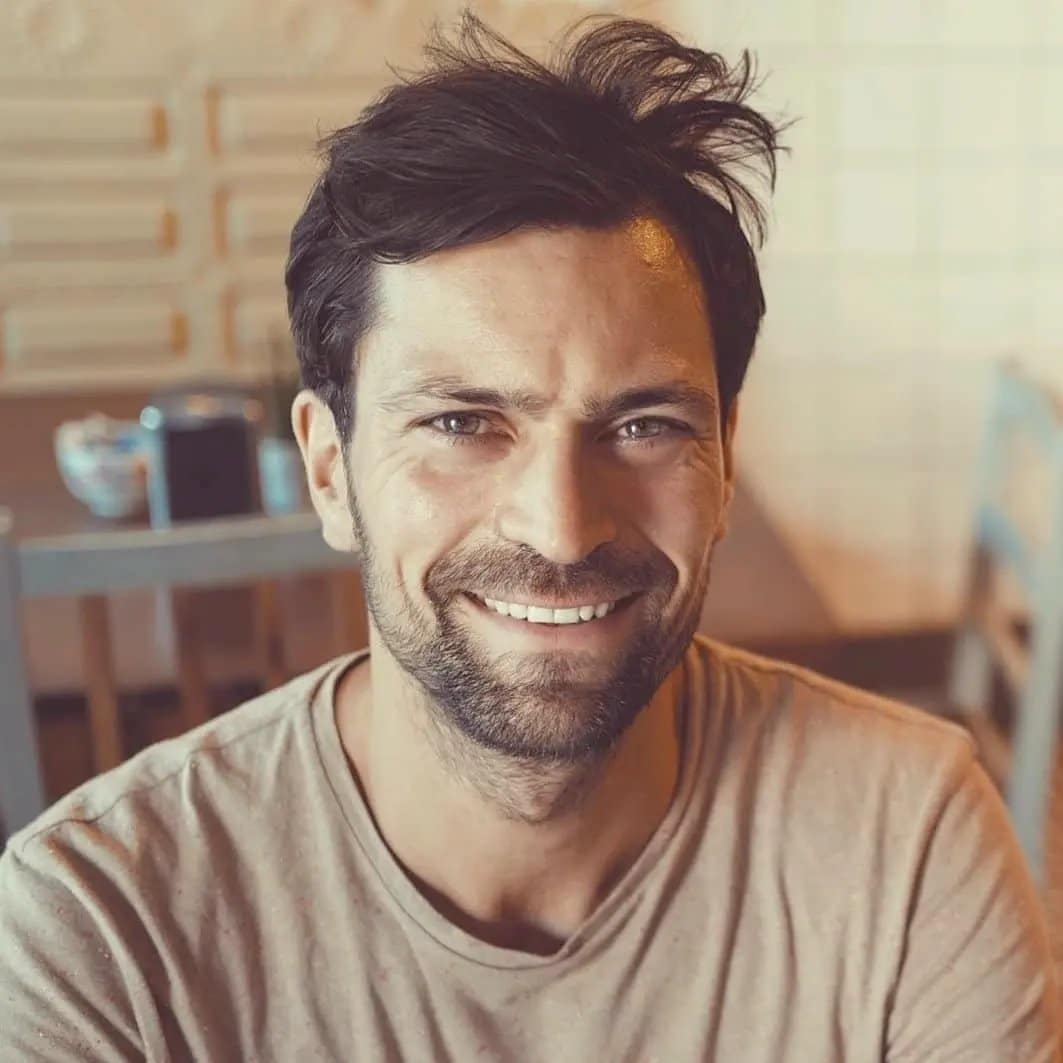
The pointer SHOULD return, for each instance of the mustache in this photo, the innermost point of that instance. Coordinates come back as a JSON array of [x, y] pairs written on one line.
[[607, 572]]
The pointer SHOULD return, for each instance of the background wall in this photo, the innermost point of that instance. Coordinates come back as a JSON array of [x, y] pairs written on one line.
[[154, 155], [918, 236]]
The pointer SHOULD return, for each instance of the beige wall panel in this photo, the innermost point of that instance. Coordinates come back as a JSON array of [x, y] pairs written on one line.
[[285, 38], [80, 127], [258, 222], [149, 146], [61, 39], [257, 322], [280, 120], [50, 230], [82, 334], [296, 169], [30, 278]]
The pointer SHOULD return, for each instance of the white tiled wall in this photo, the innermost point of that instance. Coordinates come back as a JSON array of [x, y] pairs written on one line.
[[918, 236]]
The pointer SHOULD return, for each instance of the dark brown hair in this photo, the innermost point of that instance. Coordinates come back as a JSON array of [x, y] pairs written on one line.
[[623, 120]]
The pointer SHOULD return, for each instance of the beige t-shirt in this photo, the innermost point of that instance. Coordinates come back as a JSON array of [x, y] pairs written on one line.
[[834, 880]]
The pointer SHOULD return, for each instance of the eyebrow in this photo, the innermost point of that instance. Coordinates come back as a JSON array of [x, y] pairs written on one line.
[[677, 393]]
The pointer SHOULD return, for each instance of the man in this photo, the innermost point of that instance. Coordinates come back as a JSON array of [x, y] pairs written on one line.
[[540, 819]]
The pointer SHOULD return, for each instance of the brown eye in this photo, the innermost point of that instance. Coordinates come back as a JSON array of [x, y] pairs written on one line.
[[643, 428], [458, 424]]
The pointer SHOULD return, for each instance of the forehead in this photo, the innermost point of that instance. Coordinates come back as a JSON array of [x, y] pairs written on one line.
[[559, 310]]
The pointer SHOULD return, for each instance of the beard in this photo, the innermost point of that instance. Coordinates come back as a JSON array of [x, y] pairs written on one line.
[[538, 708]]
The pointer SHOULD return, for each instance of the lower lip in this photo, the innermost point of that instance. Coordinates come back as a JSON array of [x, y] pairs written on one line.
[[586, 632]]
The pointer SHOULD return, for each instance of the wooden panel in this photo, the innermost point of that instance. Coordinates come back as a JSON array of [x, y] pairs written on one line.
[[69, 334], [254, 322], [79, 43], [245, 120], [49, 230], [77, 127], [256, 223]]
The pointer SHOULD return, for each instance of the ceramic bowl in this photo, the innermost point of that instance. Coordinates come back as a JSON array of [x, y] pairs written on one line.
[[104, 463]]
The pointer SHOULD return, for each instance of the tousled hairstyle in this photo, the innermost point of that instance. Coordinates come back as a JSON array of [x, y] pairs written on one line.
[[624, 120]]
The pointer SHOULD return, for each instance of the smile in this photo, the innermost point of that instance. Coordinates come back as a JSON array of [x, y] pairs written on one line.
[[542, 614]]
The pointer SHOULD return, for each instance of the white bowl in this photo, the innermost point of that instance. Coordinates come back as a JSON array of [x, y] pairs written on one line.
[[104, 463]]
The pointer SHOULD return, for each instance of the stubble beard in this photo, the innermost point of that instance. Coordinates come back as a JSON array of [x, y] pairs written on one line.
[[537, 711]]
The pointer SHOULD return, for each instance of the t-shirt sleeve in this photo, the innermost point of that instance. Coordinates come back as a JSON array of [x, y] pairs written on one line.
[[63, 994], [976, 981]]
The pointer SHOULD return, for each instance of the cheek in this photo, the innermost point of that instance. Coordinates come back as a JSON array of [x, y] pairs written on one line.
[[407, 493], [425, 515], [681, 505], [438, 495], [679, 512]]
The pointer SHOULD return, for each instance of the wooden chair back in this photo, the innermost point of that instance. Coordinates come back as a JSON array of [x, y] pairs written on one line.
[[254, 550]]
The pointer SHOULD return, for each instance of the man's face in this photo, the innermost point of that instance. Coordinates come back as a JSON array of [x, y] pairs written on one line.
[[502, 451]]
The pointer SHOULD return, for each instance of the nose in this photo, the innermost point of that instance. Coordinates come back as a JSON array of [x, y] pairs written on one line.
[[558, 504]]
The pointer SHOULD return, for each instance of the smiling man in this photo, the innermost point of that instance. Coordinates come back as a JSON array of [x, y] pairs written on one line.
[[539, 818]]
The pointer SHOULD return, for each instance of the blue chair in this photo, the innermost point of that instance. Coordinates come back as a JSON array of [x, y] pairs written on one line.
[[1025, 650]]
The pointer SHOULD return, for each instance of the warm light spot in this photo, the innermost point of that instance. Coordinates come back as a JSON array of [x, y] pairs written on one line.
[[654, 243]]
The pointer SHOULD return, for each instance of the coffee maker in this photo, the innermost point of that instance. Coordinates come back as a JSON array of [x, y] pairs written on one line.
[[203, 442]]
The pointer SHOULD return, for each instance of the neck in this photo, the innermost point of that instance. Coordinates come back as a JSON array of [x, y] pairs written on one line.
[[518, 854]]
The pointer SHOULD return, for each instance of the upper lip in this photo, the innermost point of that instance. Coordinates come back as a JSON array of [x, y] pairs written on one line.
[[549, 603]]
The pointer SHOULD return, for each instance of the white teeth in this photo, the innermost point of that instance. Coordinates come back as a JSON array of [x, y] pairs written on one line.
[[538, 614]]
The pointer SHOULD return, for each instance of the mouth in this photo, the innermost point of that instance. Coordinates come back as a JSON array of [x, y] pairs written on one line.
[[551, 617]]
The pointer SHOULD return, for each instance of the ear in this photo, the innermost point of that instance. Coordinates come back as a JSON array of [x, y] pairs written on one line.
[[319, 443], [728, 469]]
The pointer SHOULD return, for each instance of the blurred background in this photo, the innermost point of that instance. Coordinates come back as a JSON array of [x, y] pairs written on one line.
[[153, 157], [918, 237]]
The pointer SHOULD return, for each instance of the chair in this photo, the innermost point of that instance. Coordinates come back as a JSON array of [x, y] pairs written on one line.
[[1024, 647], [91, 566]]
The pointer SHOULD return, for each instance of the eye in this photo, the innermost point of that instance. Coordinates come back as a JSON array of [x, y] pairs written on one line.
[[458, 427], [457, 423], [648, 428]]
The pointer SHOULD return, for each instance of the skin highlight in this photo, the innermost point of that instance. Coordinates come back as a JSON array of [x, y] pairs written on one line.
[[517, 775]]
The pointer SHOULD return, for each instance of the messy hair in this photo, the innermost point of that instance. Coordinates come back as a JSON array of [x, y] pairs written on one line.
[[624, 120]]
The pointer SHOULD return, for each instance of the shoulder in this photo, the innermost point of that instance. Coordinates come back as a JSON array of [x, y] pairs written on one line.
[[799, 704], [168, 785], [828, 754]]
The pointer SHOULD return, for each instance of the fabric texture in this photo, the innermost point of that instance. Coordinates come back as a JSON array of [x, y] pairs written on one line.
[[835, 879]]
